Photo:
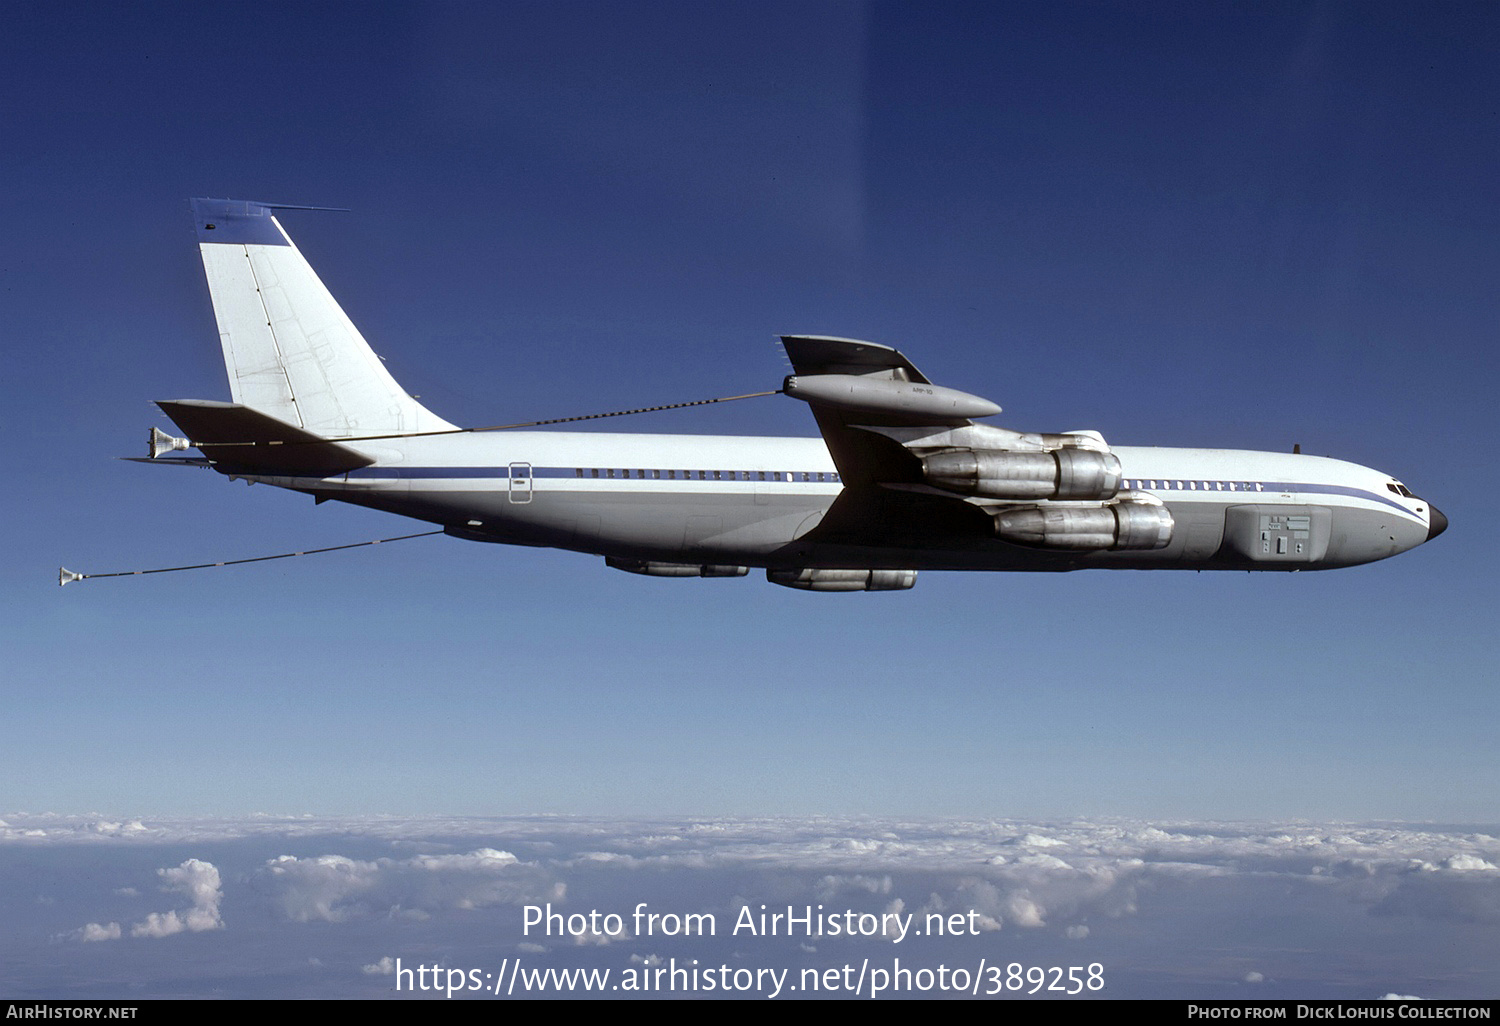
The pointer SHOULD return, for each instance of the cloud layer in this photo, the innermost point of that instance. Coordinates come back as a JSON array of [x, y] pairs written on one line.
[[1206, 908]]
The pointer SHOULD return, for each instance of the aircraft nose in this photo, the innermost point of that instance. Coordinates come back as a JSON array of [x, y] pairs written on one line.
[[1437, 523]]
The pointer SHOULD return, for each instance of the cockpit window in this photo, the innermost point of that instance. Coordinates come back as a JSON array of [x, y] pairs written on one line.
[[1400, 489]]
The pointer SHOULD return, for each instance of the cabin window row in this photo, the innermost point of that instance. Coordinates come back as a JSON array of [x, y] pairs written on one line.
[[1150, 483]]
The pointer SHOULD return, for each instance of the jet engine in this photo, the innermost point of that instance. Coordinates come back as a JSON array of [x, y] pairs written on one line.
[[1070, 473], [843, 580], [1135, 521]]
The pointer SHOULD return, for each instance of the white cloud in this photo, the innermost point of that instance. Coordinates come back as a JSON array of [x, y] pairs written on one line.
[[599, 939], [1040, 841], [133, 828], [197, 880], [385, 967], [324, 887], [1467, 863], [334, 888], [1023, 911], [159, 924], [96, 932]]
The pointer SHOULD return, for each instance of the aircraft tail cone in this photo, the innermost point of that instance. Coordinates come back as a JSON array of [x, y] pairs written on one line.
[[64, 575], [161, 442]]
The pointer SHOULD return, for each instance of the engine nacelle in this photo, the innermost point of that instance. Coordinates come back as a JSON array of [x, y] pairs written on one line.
[[1137, 522], [1070, 473], [650, 568], [843, 580]]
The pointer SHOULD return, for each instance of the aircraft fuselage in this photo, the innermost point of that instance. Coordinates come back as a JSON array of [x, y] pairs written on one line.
[[760, 502]]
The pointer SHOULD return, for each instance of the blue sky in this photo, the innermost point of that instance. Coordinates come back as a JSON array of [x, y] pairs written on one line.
[[1222, 226], [1244, 226]]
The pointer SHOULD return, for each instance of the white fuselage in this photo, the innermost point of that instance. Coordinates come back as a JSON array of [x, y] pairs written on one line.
[[759, 501]]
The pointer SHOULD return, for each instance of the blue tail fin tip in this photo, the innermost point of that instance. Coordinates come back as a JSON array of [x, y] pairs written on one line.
[[242, 222]]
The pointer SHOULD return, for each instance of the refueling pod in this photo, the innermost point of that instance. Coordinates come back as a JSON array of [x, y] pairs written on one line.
[[653, 568], [885, 397], [843, 580]]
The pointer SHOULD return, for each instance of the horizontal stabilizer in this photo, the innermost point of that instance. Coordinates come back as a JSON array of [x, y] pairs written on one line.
[[170, 461], [238, 438]]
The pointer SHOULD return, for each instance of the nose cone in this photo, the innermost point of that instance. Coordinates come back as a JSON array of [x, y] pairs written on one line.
[[1436, 523]]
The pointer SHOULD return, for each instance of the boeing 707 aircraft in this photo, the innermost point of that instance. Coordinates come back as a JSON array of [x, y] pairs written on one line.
[[903, 479]]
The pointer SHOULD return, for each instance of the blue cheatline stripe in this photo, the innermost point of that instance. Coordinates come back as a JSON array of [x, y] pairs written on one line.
[[571, 473], [1257, 490], [1358, 493]]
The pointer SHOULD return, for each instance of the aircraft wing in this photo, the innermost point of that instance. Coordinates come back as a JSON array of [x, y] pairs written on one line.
[[820, 354], [856, 389], [854, 386]]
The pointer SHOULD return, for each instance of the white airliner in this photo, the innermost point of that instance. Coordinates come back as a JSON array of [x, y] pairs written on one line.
[[902, 480]]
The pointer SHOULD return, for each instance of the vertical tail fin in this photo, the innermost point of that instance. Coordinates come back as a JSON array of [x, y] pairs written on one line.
[[289, 348]]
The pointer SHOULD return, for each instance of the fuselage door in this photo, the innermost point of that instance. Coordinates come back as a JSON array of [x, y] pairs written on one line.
[[520, 483]]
